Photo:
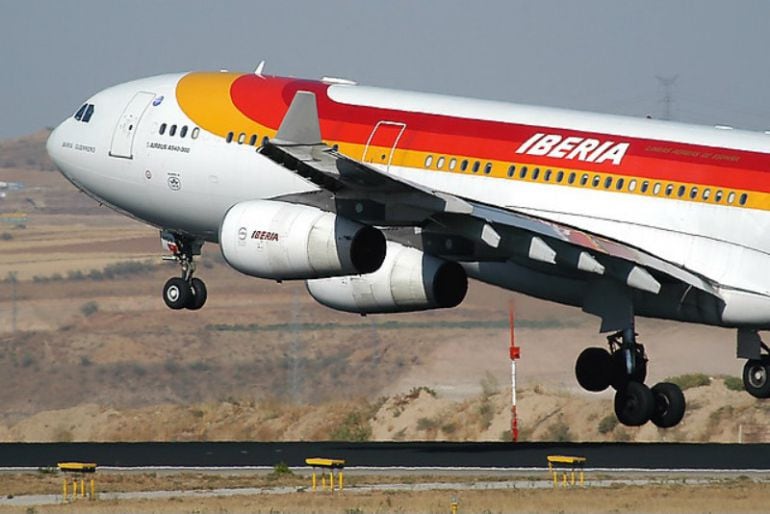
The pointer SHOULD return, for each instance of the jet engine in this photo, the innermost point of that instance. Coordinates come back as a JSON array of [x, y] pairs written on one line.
[[284, 241], [408, 280]]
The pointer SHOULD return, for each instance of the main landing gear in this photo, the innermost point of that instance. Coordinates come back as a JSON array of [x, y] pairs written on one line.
[[624, 367], [185, 292], [756, 371]]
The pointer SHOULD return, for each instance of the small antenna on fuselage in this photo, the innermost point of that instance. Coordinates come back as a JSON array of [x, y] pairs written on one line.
[[260, 67]]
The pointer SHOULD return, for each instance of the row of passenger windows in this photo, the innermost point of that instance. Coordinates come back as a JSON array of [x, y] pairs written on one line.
[[253, 138], [172, 131], [618, 184]]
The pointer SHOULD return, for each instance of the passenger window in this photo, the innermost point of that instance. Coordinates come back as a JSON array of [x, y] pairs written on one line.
[[656, 189], [79, 114], [162, 129], [560, 176], [607, 182], [452, 164], [428, 161], [229, 137], [195, 132], [619, 184], [241, 138], [694, 193], [706, 194], [89, 112], [547, 175], [669, 189], [523, 172], [645, 186], [535, 173], [632, 185], [511, 170], [172, 130], [681, 191], [584, 179], [744, 198], [718, 196], [731, 197], [488, 168], [440, 162], [596, 180], [571, 178], [253, 140], [476, 166], [183, 131], [464, 165]]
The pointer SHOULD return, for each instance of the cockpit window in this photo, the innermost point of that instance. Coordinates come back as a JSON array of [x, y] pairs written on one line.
[[84, 113], [89, 112], [79, 114]]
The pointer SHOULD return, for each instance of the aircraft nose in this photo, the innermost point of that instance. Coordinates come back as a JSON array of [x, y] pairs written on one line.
[[53, 146]]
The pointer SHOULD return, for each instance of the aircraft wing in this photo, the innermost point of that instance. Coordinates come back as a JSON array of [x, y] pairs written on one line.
[[452, 227]]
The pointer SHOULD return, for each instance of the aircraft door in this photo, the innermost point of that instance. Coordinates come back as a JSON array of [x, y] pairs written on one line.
[[382, 142], [123, 137]]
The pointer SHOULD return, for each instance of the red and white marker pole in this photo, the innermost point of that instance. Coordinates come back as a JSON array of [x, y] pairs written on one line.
[[515, 353]]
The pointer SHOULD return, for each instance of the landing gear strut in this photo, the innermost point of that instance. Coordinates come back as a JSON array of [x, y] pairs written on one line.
[[624, 367], [185, 292]]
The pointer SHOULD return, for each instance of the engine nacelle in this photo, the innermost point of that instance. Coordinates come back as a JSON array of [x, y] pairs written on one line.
[[283, 241], [409, 280]]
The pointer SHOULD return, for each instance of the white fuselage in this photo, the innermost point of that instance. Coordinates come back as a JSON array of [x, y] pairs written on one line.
[[187, 185]]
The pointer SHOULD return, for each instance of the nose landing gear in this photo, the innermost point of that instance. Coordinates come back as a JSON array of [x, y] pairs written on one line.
[[185, 292], [624, 367]]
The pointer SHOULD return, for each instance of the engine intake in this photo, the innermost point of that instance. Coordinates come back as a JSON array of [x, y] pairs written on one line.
[[408, 280], [283, 241]]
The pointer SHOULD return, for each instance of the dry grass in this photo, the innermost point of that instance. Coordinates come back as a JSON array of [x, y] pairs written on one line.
[[736, 496]]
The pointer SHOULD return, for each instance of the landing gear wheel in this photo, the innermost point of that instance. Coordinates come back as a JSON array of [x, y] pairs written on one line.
[[620, 377], [177, 293], [669, 405], [634, 404], [756, 377], [592, 369], [199, 294]]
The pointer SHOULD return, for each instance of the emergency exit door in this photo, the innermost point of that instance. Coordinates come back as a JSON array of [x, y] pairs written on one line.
[[123, 137], [383, 142]]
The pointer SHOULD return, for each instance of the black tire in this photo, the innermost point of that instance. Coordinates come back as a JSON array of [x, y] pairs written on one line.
[[669, 405], [592, 369], [177, 293], [619, 375], [199, 294], [756, 377], [634, 404]]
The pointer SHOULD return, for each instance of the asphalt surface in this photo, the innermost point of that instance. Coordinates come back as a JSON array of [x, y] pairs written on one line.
[[652, 456]]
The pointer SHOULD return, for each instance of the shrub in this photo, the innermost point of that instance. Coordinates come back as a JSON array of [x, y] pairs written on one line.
[[6, 236], [89, 309], [608, 424], [354, 427], [426, 424], [734, 383], [282, 469], [690, 380], [559, 432]]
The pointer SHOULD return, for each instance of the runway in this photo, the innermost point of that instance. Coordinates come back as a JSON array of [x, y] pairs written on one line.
[[425, 455]]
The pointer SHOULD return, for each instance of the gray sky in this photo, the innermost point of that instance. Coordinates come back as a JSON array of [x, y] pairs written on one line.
[[600, 55]]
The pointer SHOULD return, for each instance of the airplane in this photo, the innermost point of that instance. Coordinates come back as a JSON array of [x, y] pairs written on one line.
[[388, 201]]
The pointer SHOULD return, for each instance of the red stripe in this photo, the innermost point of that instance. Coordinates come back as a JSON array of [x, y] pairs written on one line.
[[265, 100]]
